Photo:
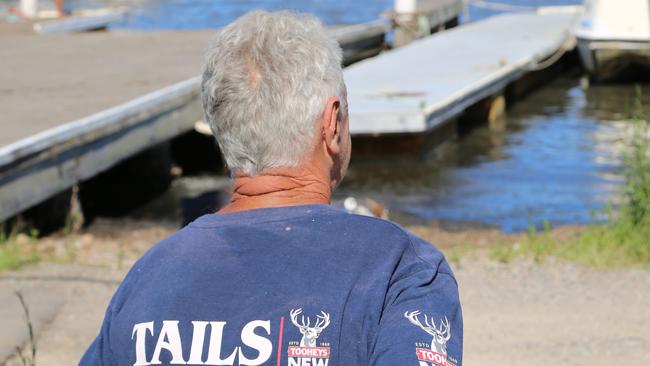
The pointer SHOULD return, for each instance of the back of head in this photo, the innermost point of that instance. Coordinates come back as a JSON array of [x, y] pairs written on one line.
[[266, 80]]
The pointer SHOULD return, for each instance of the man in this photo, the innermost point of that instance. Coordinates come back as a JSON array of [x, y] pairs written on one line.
[[279, 277]]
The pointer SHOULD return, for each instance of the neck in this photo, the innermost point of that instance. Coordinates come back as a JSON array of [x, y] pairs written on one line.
[[277, 188]]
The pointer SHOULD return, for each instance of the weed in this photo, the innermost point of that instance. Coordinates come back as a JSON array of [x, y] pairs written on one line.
[[455, 253], [17, 249], [503, 253], [27, 361]]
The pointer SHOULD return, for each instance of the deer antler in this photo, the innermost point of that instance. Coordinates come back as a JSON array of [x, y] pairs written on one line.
[[447, 330], [413, 318], [294, 318], [322, 320]]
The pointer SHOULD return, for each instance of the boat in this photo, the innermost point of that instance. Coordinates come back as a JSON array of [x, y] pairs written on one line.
[[79, 20], [613, 39]]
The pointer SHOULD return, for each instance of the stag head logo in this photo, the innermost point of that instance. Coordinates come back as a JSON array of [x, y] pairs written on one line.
[[440, 334], [309, 333]]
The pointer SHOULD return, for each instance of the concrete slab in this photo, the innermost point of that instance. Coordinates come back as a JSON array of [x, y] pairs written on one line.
[[43, 303]]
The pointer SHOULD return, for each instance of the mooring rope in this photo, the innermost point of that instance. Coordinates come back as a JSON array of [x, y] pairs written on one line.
[[569, 44], [561, 51]]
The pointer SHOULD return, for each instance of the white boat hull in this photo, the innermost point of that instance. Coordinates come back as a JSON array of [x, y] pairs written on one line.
[[614, 60], [614, 39], [79, 21]]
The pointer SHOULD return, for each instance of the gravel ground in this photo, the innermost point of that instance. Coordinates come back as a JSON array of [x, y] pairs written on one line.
[[519, 313], [529, 314]]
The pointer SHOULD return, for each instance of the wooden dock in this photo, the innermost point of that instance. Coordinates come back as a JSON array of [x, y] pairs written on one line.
[[52, 88], [421, 86]]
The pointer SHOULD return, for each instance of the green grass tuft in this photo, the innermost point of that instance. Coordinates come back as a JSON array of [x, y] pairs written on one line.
[[15, 254]]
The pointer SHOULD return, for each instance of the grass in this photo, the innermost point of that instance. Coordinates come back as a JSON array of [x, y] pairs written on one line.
[[602, 246], [18, 247], [625, 239], [17, 250], [456, 253]]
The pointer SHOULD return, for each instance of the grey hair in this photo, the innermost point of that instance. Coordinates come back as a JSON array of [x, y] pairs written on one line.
[[266, 80]]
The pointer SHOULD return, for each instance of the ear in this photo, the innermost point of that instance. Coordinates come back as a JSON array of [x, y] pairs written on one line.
[[331, 128]]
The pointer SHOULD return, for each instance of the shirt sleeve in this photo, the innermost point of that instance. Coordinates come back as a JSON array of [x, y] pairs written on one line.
[[422, 325], [98, 353]]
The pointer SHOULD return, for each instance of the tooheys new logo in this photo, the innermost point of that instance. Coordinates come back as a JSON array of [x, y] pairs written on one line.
[[436, 354], [309, 352]]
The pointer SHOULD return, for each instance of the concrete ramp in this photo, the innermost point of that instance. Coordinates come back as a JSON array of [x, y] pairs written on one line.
[[420, 86]]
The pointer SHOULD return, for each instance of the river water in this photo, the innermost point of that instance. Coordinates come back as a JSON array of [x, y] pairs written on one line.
[[202, 14], [558, 160]]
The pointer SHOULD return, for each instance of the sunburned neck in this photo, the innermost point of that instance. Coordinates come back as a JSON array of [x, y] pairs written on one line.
[[278, 188]]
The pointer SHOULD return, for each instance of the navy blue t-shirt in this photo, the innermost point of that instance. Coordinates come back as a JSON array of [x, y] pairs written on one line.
[[304, 285]]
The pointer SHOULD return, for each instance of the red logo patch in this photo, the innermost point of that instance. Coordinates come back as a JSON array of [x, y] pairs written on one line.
[[434, 358], [311, 352]]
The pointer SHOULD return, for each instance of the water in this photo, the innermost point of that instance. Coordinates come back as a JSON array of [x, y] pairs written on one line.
[[205, 14], [558, 160]]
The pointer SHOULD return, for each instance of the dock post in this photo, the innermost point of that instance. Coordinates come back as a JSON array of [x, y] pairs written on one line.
[[490, 110], [496, 112], [415, 19], [29, 8]]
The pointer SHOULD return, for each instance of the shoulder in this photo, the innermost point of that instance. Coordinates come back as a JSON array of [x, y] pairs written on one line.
[[174, 243], [152, 260], [417, 254]]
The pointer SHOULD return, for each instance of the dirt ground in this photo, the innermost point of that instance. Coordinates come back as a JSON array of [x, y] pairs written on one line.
[[519, 313]]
